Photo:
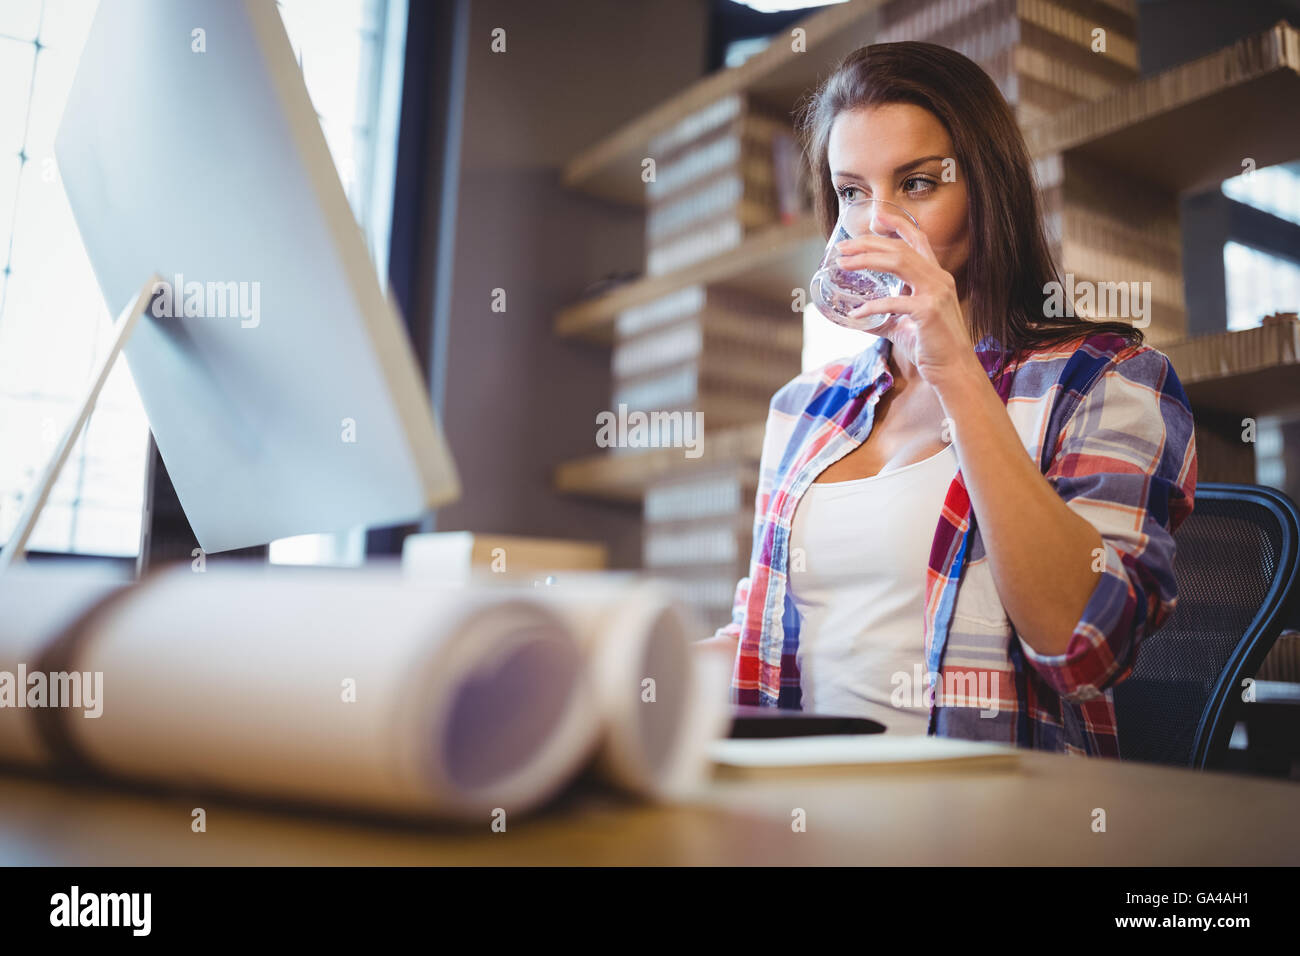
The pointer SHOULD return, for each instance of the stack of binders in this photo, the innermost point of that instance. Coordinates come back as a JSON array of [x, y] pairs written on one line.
[[705, 351], [715, 180], [698, 533]]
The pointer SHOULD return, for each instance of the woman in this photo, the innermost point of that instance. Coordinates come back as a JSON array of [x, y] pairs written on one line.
[[966, 529]]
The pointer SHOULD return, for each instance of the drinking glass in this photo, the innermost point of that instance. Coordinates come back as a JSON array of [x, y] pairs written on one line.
[[836, 292]]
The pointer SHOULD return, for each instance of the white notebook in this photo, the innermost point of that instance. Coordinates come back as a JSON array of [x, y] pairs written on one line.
[[760, 755]]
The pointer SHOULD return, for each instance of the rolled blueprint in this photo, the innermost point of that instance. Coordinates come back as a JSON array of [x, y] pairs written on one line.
[[661, 706], [353, 688]]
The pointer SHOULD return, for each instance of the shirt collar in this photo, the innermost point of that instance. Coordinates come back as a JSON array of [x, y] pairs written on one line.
[[871, 365]]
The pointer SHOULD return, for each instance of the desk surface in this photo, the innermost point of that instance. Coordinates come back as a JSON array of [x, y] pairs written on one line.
[[1039, 813]]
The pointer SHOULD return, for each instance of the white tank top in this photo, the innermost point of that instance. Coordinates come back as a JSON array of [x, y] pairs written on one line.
[[865, 545]]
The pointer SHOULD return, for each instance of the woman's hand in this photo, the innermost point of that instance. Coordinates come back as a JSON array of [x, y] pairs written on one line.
[[928, 325], [720, 646]]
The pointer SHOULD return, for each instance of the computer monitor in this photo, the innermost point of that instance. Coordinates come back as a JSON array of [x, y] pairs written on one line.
[[280, 385]]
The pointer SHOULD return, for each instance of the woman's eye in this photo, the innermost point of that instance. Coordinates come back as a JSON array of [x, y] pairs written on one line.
[[847, 189], [923, 186]]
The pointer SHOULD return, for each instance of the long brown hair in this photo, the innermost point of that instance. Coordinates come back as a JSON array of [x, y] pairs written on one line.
[[1010, 262]]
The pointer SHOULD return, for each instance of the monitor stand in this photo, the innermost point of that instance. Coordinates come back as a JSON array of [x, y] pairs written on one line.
[[15, 549], [165, 533]]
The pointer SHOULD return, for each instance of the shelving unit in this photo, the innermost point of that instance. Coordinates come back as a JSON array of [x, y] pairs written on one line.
[[624, 476], [769, 264], [1191, 126], [777, 75], [1249, 372]]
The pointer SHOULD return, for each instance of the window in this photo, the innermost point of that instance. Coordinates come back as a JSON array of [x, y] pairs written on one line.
[[1258, 284], [1274, 189], [780, 6], [739, 29], [53, 321]]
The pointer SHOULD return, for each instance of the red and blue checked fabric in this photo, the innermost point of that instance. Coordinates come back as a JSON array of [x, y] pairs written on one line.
[[1110, 427]]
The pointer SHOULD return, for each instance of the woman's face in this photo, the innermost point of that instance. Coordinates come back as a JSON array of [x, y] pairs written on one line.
[[896, 151]]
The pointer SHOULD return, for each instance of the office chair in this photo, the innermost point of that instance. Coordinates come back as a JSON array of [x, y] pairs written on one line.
[[1237, 565]]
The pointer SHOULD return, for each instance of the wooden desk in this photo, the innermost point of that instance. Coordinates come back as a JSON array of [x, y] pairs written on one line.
[[1038, 813]]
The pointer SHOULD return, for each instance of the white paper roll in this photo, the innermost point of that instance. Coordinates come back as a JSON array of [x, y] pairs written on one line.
[[37, 604], [661, 706], [354, 688]]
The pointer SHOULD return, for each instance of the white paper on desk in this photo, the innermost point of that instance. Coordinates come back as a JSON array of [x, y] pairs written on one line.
[[853, 749], [238, 679]]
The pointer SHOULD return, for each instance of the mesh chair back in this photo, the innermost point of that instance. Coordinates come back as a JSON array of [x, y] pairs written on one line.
[[1236, 566]]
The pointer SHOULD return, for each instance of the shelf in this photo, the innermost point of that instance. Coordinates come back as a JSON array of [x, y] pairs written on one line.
[[1265, 391], [1192, 126], [623, 477], [776, 76], [1246, 373], [769, 263]]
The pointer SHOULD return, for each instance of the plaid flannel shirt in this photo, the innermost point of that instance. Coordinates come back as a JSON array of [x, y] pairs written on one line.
[[1110, 427]]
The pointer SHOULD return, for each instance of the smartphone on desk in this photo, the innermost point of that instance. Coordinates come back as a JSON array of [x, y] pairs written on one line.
[[750, 722]]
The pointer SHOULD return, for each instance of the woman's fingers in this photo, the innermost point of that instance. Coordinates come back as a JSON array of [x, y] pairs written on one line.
[[886, 261], [909, 233], [866, 244], [908, 236], [883, 255], [891, 303]]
